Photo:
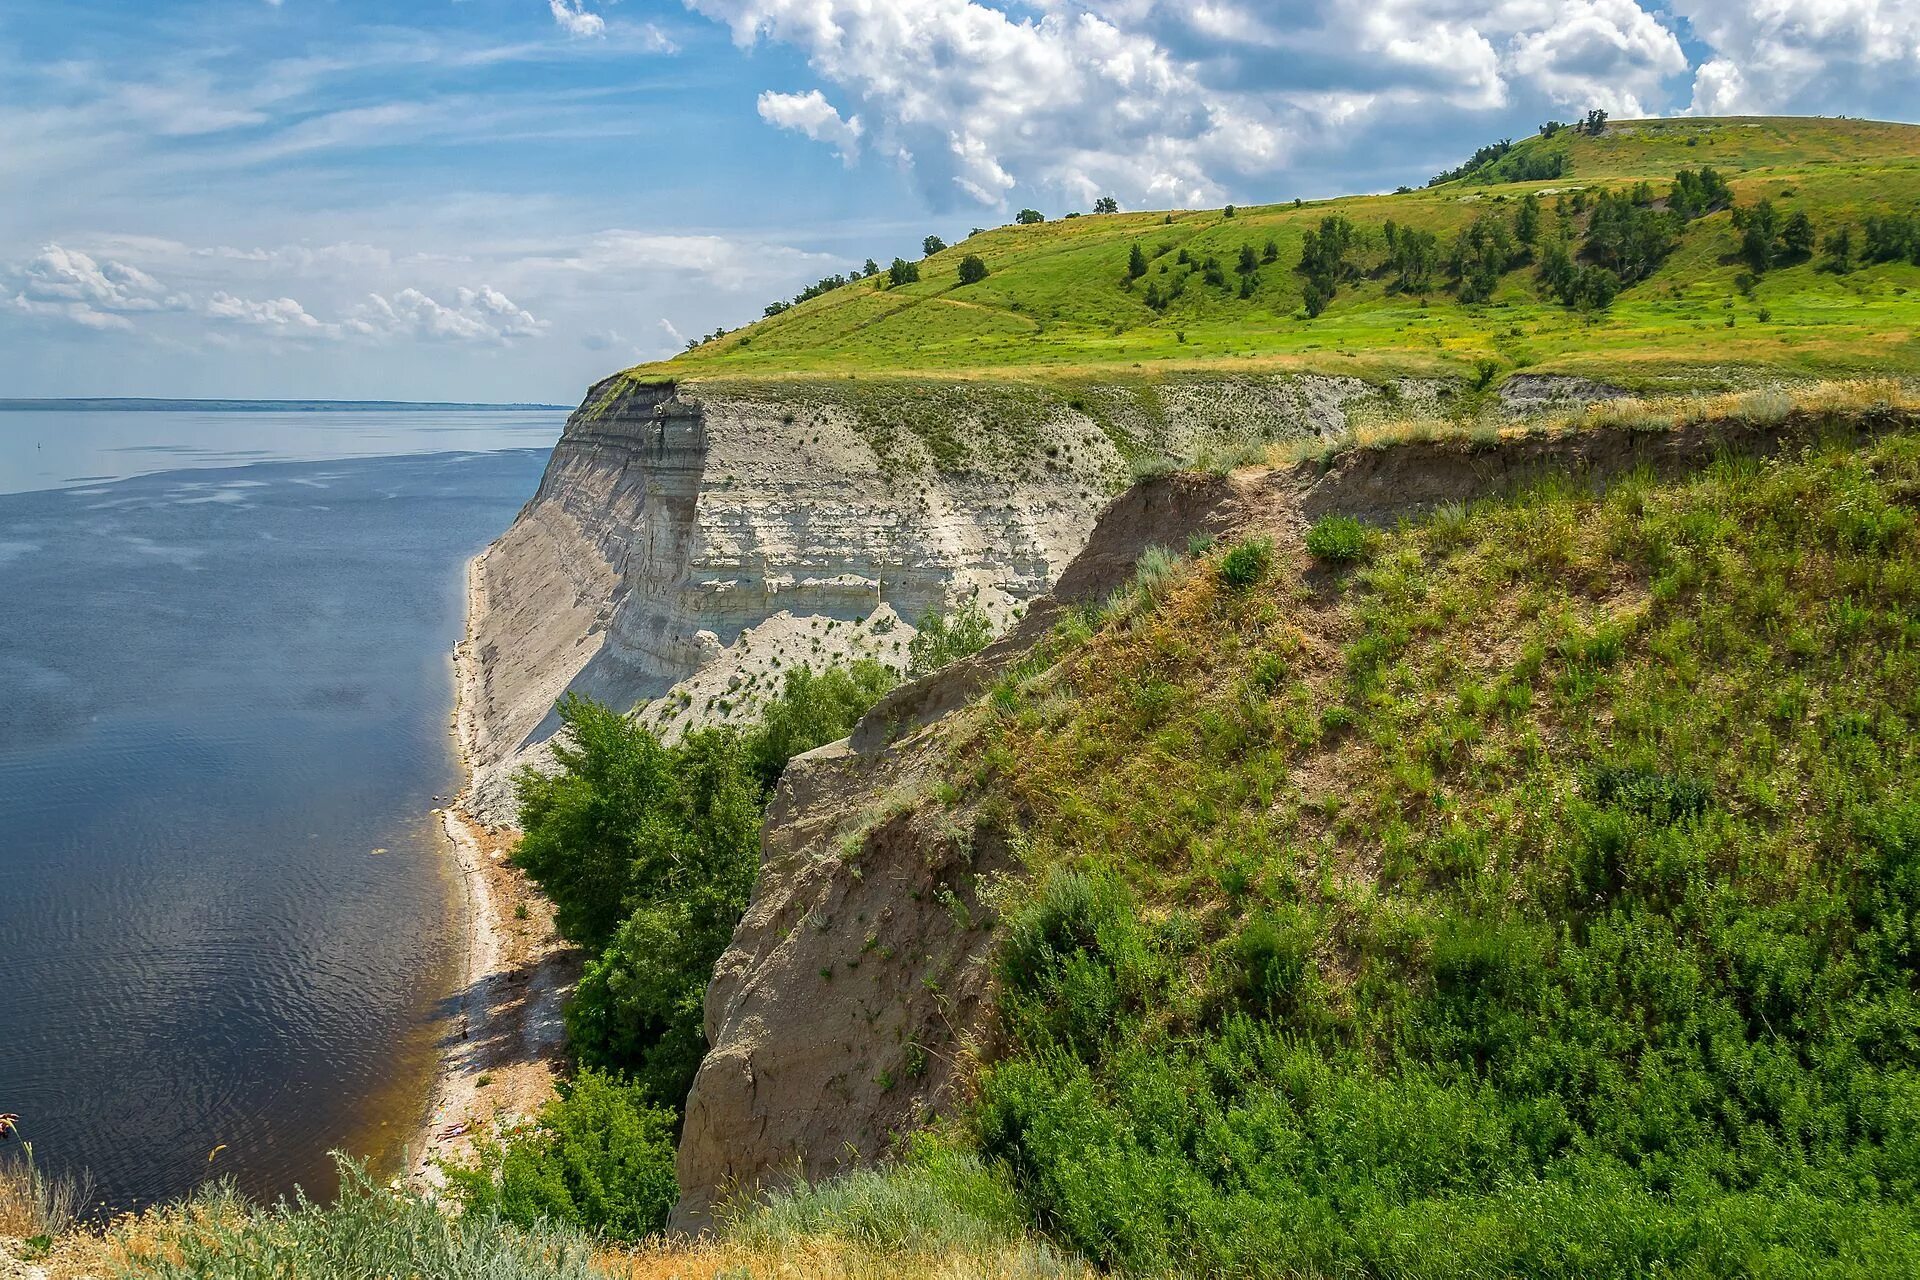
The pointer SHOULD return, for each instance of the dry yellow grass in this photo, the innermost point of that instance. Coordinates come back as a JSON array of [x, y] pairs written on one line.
[[823, 1259], [1851, 396]]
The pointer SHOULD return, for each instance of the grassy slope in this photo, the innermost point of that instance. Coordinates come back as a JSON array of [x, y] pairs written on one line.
[[1055, 307], [1541, 895]]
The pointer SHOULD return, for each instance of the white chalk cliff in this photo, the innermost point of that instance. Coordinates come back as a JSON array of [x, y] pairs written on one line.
[[690, 543]]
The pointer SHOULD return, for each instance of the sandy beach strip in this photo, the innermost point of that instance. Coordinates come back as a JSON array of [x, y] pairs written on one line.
[[503, 1044]]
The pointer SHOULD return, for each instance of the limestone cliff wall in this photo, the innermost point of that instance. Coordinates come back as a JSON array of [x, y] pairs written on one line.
[[689, 543]]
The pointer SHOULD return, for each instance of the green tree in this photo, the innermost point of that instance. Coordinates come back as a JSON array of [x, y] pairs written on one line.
[[871, 269], [1840, 253], [1323, 261], [973, 269], [1030, 217], [1414, 256], [1249, 261], [1106, 204], [1136, 262], [1526, 220], [1314, 298], [1796, 237], [649, 852], [932, 245], [588, 823], [903, 272], [1759, 228], [1482, 253]]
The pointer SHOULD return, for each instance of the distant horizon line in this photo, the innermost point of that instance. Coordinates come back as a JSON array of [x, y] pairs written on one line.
[[236, 405]]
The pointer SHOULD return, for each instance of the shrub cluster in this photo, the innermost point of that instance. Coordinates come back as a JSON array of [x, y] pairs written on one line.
[[1337, 538], [940, 639]]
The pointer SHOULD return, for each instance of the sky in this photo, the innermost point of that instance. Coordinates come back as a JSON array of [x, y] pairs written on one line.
[[510, 199]]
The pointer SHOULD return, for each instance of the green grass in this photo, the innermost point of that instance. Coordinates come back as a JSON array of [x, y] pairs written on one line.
[[1541, 896], [369, 1230], [1058, 305], [943, 1215]]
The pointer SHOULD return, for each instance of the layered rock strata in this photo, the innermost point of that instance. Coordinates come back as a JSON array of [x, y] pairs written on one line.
[[689, 544]]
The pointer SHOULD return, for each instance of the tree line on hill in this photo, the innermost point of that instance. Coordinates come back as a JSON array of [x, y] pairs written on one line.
[[1585, 250], [972, 270], [1500, 162]]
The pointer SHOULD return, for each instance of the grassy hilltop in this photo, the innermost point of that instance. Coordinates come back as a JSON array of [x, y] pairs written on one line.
[[1059, 301]]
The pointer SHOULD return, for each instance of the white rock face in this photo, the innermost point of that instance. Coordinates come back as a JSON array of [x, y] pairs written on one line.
[[689, 544]]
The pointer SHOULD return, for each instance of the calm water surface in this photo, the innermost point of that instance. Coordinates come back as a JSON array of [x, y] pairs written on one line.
[[224, 911]]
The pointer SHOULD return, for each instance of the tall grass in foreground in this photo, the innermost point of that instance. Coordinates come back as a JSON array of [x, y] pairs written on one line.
[[370, 1230], [939, 1211], [942, 1217], [33, 1204]]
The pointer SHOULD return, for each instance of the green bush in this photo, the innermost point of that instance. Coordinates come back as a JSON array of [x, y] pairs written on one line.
[[941, 639], [600, 1156], [1337, 538], [1247, 562], [973, 269]]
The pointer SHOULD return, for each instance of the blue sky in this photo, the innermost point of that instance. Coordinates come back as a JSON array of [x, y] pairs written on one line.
[[506, 199]]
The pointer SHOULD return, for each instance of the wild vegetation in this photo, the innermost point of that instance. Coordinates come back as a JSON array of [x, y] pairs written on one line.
[[944, 1217], [648, 850], [1533, 888], [1618, 250]]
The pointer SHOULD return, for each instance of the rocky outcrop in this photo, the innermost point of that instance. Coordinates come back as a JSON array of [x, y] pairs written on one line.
[[689, 543], [1528, 393]]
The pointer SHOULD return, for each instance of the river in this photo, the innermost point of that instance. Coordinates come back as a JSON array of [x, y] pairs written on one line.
[[226, 919]]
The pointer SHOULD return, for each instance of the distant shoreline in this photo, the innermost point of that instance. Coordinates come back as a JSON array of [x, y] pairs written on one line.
[[126, 404]]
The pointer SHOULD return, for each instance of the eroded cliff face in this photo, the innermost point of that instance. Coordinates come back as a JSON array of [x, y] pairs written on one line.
[[688, 544], [854, 1000]]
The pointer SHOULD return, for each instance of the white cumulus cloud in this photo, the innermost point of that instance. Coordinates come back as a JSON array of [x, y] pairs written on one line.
[[276, 315], [811, 114], [1806, 55], [68, 284], [1601, 53], [475, 315], [1179, 101]]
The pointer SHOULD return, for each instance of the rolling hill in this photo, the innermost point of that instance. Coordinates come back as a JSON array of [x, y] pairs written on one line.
[[1059, 302]]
